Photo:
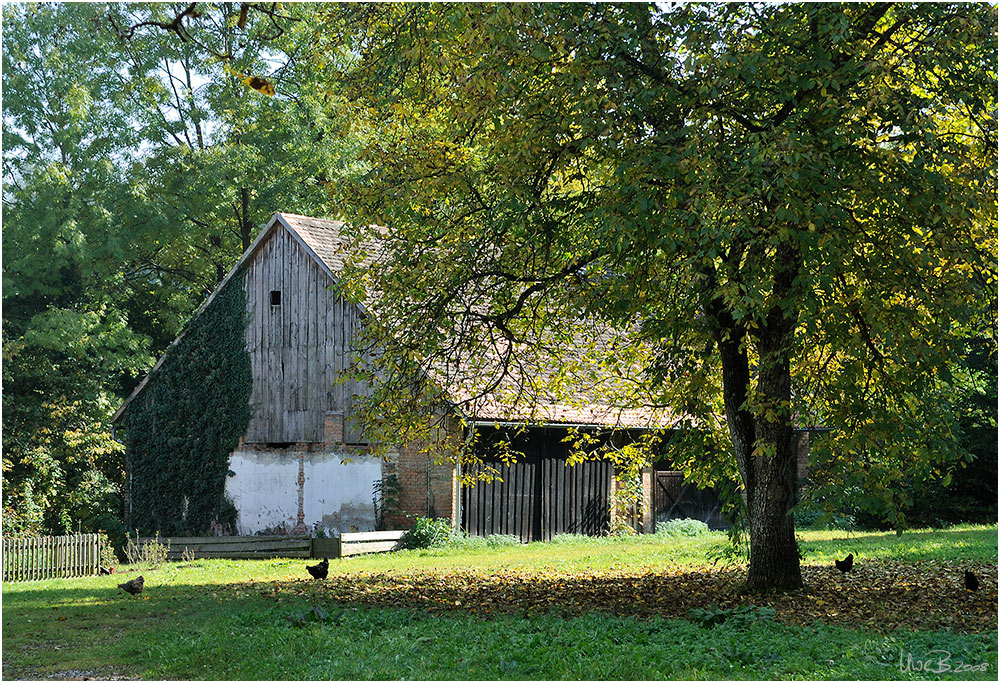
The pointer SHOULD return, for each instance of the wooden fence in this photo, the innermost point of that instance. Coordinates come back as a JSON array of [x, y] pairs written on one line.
[[49, 557], [261, 547], [27, 559], [369, 542]]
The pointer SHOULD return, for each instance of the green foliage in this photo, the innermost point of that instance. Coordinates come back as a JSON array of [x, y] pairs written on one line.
[[466, 542], [681, 527], [427, 533], [189, 418], [790, 208], [135, 170], [737, 617], [812, 517], [109, 558], [145, 555], [385, 497]]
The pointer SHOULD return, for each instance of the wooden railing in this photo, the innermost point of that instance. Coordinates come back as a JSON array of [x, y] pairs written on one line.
[[251, 547], [28, 559], [369, 542], [235, 547], [49, 557]]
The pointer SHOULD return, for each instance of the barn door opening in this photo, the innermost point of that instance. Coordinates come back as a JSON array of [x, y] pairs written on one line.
[[673, 499], [538, 496]]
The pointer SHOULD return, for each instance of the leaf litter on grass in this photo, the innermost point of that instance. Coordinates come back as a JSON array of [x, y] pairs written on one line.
[[879, 594]]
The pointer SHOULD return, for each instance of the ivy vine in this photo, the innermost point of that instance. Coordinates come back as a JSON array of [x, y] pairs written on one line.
[[182, 427]]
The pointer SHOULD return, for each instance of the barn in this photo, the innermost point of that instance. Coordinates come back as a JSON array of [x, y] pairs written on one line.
[[302, 464]]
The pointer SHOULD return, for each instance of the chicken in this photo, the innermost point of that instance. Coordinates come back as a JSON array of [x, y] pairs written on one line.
[[846, 564], [319, 571], [133, 587], [971, 581], [105, 570]]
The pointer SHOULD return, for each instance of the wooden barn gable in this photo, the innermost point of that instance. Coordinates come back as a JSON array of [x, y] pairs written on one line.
[[298, 332]]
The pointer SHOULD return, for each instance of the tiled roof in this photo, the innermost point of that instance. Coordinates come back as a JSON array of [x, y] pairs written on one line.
[[588, 403]]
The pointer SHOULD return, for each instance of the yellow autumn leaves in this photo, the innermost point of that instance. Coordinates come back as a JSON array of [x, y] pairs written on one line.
[[258, 83]]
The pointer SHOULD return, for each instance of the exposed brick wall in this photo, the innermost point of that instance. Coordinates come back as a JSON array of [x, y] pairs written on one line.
[[426, 488], [801, 456], [333, 430], [646, 523], [648, 516]]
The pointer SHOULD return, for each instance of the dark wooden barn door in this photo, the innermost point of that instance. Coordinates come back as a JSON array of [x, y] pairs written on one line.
[[539, 496], [505, 505], [673, 499], [574, 498]]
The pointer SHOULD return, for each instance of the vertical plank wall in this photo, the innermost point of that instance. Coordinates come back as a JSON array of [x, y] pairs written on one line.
[[297, 349]]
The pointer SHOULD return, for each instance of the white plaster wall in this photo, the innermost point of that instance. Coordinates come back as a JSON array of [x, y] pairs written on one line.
[[337, 494]]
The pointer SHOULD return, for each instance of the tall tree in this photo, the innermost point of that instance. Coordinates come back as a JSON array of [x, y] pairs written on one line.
[[795, 205], [137, 166]]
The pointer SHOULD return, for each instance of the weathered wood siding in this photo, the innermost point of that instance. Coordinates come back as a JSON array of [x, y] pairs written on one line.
[[299, 348]]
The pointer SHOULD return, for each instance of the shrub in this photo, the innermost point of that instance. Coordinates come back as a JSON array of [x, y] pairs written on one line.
[[501, 540], [571, 539], [427, 533], [736, 617], [149, 554], [107, 551], [681, 527], [491, 541], [812, 516]]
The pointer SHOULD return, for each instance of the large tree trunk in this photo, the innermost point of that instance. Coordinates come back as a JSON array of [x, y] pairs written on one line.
[[774, 554], [246, 228], [762, 435], [765, 456]]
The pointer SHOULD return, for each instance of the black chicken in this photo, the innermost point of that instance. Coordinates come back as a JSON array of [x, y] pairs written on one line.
[[846, 564], [133, 587], [971, 581], [319, 571], [105, 570]]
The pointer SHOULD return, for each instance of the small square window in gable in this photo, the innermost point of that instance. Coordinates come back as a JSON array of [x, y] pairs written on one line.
[[275, 297]]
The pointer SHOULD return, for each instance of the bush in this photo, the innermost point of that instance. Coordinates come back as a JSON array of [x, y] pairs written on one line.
[[681, 527], [737, 617], [812, 516], [149, 554], [571, 539], [108, 557], [427, 533], [464, 541]]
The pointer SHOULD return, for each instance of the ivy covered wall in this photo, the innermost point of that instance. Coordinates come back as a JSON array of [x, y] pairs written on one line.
[[182, 427]]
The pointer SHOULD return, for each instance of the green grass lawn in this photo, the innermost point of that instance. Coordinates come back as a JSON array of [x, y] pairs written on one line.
[[244, 620]]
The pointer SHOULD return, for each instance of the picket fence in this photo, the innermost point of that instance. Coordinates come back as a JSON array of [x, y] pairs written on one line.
[[49, 557]]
